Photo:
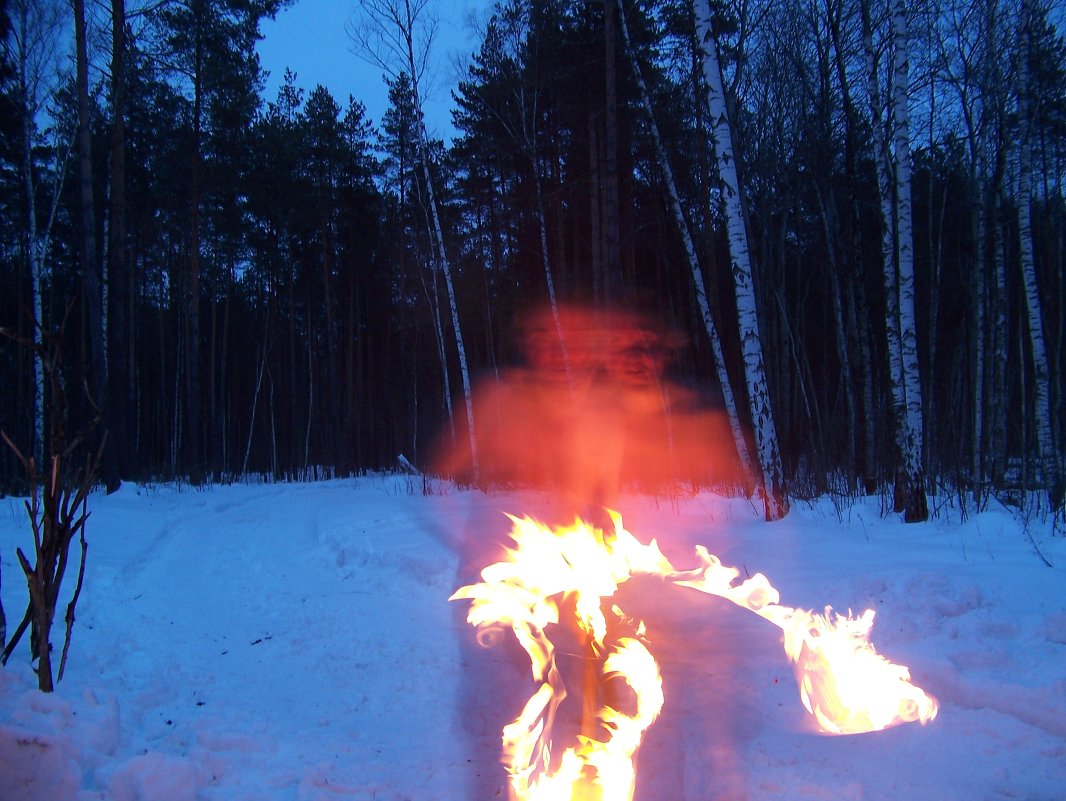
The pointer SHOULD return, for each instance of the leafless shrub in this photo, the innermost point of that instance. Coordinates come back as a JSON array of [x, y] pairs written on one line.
[[57, 513]]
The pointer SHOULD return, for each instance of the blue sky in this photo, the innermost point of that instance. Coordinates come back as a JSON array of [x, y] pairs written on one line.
[[310, 38]]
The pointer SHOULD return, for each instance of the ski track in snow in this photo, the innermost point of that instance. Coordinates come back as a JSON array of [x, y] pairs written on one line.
[[294, 642]]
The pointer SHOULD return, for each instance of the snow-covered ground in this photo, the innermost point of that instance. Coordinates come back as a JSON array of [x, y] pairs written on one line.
[[295, 641]]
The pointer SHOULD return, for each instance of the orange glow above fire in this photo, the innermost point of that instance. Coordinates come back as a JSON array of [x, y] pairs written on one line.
[[844, 683]]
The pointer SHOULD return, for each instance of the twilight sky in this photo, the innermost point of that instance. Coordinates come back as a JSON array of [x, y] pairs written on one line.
[[310, 37]]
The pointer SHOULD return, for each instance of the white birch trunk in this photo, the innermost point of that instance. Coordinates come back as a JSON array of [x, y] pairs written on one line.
[[449, 286], [690, 253], [388, 38], [39, 243], [888, 243], [434, 301], [766, 444], [438, 331], [917, 506], [37, 247], [885, 183], [442, 254], [549, 280], [1049, 462]]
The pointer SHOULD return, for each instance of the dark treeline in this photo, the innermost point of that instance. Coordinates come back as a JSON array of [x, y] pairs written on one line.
[[285, 288]]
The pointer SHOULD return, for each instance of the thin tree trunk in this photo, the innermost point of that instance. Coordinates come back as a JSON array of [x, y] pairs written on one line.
[[885, 182], [611, 211], [119, 388], [255, 394], [333, 435], [274, 465], [38, 243], [291, 392], [841, 331], [857, 295], [90, 263], [775, 498], [37, 239], [979, 299], [193, 460], [442, 256], [917, 508], [403, 16], [176, 425], [1047, 456], [690, 253], [453, 305], [223, 375], [434, 308], [212, 385], [310, 406], [595, 214], [549, 279], [997, 407]]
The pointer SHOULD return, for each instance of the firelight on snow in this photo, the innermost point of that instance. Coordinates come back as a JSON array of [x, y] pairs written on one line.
[[558, 579]]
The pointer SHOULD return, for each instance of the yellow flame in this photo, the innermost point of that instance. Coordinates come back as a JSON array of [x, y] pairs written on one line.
[[844, 683]]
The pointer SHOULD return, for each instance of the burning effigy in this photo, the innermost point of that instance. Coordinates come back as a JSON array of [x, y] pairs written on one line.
[[844, 683], [590, 412]]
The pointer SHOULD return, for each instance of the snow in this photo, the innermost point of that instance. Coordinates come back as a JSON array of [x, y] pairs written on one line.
[[294, 641]]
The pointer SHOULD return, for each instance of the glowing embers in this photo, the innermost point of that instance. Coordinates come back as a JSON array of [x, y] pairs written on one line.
[[844, 683]]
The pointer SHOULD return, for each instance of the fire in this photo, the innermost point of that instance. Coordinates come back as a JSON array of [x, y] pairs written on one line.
[[844, 683]]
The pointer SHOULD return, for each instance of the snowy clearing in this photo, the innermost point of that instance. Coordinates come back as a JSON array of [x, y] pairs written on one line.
[[295, 641]]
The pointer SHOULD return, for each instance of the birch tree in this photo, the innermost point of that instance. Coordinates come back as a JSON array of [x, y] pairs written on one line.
[[916, 505], [1049, 461], [698, 283], [775, 498], [90, 263], [398, 137], [396, 38], [909, 492], [969, 59], [33, 46]]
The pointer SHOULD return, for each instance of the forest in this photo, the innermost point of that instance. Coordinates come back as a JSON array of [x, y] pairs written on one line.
[[853, 210]]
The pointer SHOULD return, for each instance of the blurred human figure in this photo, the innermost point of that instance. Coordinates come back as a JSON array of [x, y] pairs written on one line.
[[589, 413]]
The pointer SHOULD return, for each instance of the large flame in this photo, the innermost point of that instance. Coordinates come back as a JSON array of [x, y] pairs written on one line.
[[844, 683]]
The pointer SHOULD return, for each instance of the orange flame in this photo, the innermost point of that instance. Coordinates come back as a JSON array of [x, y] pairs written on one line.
[[844, 683]]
